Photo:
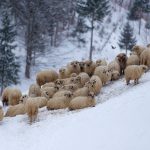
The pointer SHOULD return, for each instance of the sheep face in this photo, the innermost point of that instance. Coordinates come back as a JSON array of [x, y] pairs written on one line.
[[81, 64], [23, 98], [91, 94], [77, 80], [74, 64], [115, 75], [62, 71], [88, 63], [144, 68], [98, 62], [68, 95], [59, 82]]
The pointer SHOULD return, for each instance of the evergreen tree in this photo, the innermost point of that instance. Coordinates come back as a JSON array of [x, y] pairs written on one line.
[[127, 39], [136, 12], [94, 10], [80, 29], [9, 65]]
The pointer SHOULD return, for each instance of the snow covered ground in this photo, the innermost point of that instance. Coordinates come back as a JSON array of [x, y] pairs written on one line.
[[122, 122]]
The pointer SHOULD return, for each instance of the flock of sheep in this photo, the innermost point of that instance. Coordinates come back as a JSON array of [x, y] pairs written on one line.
[[76, 85]]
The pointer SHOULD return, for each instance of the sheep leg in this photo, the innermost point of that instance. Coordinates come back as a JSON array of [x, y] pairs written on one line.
[[128, 81]]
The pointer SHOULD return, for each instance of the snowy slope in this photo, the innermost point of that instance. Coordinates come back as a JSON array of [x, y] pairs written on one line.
[[122, 122], [105, 35]]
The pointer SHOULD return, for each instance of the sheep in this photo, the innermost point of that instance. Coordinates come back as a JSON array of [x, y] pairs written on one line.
[[103, 73], [59, 102], [115, 75], [62, 82], [73, 67], [48, 92], [31, 107], [138, 49], [70, 87], [81, 64], [1, 113], [34, 90], [77, 81], [81, 91], [114, 66], [121, 59], [46, 76], [84, 77], [49, 84], [133, 59], [41, 101], [18, 109], [145, 57], [5, 95], [61, 93], [82, 102], [95, 84], [101, 62], [134, 72], [89, 67], [14, 96], [63, 73]]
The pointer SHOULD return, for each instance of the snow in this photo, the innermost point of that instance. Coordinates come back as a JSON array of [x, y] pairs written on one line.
[[122, 122]]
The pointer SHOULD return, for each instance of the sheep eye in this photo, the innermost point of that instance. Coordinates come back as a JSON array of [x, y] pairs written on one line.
[[46, 93]]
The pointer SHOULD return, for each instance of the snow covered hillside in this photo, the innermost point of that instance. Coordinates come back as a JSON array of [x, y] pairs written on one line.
[[106, 35], [122, 122], [119, 121]]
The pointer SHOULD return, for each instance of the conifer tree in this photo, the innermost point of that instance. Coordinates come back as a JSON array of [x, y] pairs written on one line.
[[94, 10], [136, 12], [9, 65], [127, 39]]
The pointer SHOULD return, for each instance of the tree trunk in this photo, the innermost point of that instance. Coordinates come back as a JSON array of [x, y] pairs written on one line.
[[126, 50], [140, 26], [91, 43], [28, 62]]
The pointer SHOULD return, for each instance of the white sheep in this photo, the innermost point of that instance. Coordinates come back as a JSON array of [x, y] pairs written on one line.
[[84, 77], [63, 73], [70, 87], [49, 84], [134, 72], [46, 76], [31, 107], [133, 59], [73, 67], [84, 91], [114, 66], [59, 102], [34, 90], [115, 75], [82, 102], [103, 73], [18, 109], [101, 62], [89, 67], [48, 92], [95, 84]]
